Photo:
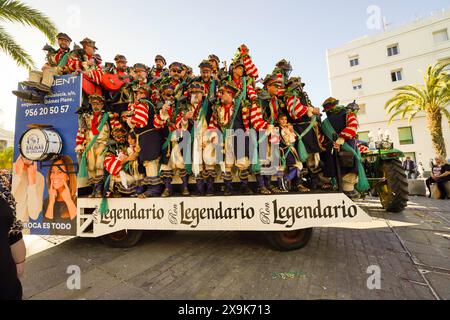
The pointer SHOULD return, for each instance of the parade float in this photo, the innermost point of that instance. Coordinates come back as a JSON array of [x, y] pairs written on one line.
[[81, 167]]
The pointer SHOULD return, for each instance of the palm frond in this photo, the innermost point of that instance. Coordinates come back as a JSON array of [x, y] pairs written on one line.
[[418, 89], [412, 116], [446, 113], [14, 50], [16, 11]]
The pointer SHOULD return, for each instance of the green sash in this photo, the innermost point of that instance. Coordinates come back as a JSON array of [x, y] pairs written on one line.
[[302, 152], [63, 61], [363, 183], [83, 173]]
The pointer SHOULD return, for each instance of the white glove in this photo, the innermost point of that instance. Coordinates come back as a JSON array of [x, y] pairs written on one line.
[[123, 179]]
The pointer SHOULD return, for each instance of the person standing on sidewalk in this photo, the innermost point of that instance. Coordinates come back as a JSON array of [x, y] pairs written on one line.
[[12, 246], [410, 168]]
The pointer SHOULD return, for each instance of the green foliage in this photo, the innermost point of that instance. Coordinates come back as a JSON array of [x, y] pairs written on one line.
[[6, 158], [432, 98], [18, 12]]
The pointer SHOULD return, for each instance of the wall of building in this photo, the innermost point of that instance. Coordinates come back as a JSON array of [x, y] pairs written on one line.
[[417, 50]]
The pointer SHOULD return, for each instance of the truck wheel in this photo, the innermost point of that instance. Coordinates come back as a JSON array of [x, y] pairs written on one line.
[[122, 239], [394, 192], [289, 240]]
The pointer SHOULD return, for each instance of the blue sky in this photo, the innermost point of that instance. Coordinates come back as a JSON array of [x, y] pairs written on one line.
[[187, 31]]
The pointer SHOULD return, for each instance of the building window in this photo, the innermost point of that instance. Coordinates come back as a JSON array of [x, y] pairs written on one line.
[[440, 36], [362, 108], [393, 50], [396, 75], [363, 136], [354, 61], [405, 136], [357, 84]]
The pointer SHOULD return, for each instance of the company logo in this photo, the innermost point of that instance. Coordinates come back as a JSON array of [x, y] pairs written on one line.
[[33, 140], [33, 145]]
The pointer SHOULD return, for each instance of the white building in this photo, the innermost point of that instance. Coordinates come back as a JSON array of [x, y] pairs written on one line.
[[368, 69], [6, 139]]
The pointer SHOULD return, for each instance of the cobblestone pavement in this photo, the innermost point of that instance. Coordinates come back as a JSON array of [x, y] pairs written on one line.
[[412, 250]]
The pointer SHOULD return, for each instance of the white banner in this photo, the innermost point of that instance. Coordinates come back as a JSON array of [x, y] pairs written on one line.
[[237, 213]]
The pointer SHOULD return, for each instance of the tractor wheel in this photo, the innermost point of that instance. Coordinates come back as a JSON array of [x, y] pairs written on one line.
[[394, 191]]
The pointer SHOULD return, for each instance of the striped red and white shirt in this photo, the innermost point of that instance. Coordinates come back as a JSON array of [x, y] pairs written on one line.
[[250, 68], [295, 108], [351, 129], [112, 164], [257, 119], [227, 114], [140, 114], [94, 73]]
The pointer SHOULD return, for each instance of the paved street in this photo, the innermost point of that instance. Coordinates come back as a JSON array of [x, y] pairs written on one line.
[[412, 250]]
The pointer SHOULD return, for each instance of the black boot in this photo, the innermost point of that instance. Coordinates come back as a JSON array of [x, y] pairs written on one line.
[[97, 191], [270, 186], [245, 189], [200, 187], [210, 187], [168, 190], [185, 187], [228, 188], [261, 185]]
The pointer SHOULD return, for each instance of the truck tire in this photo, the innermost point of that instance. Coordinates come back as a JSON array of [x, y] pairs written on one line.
[[394, 192], [290, 240], [122, 239]]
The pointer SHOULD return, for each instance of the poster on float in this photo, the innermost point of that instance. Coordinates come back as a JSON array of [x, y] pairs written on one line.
[[45, 163]]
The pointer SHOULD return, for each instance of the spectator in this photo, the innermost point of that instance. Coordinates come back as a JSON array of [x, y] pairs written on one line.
[[421, 170], [12, 246], [410, 168], [440, 174]]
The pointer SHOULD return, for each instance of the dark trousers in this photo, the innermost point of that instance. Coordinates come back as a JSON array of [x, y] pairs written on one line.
[[440, 184]]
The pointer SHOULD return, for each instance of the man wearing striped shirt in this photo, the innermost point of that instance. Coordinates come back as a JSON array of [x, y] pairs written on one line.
[[140, 118], [91, 129], [344, 122]]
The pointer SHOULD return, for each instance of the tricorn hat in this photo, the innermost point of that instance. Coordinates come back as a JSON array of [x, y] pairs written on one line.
[[160, 57], [63, 36], [330, 102], [176, 65], [140, 66], [119, 58], [167, 86], [96, 97], [284, 65], [196, 87], [88, 42], [142, 87], [294, 82], [205, 64], [230, 87], [270, 78], [214, 57]]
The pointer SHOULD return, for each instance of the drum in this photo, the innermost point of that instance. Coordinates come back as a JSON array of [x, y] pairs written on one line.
[[40, 144]]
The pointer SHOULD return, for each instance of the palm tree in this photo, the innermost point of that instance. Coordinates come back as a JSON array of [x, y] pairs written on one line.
[[432, 98], [17, 12]]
